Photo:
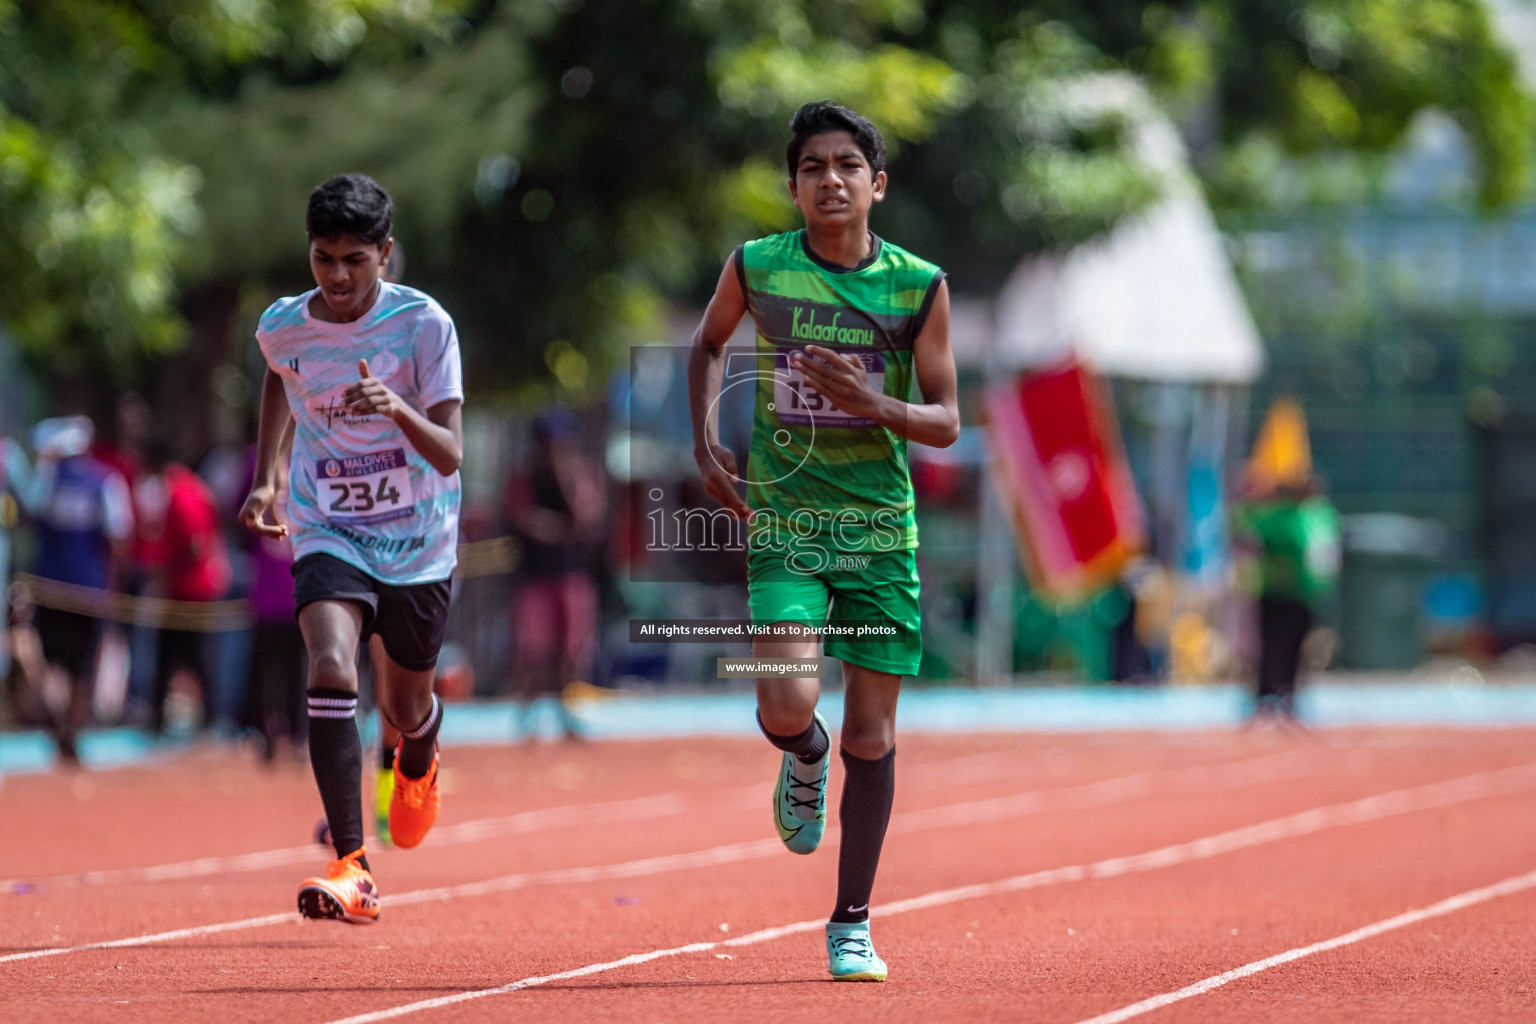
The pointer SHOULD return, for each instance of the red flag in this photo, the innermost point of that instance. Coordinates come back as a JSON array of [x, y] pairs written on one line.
[[1062, 475]]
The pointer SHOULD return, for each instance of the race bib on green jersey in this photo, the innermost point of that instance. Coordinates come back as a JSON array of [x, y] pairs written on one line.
[[797, 403]]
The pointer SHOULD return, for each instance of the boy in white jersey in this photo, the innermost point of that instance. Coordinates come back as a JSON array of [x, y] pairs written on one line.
[[368, 373]]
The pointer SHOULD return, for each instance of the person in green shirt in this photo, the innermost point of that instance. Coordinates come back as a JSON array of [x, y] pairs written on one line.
[[1293, 531], [846, 322]]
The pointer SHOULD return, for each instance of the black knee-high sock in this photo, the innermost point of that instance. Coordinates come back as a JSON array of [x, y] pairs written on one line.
[[418, 745], [386, 752], [869, 787], [809, 746], [336, 755]]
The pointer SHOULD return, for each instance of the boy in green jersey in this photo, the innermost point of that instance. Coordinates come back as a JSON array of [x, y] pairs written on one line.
[[845, 322]]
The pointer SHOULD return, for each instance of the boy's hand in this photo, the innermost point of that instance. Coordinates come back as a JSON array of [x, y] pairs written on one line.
[[840, 379], [717, 469], [369, 395], [253, 513]]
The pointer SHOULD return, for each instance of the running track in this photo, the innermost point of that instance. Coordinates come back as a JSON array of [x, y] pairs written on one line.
[[1377, 875]]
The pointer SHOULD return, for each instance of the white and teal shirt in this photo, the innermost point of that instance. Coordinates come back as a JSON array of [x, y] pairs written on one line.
[[359, 491]]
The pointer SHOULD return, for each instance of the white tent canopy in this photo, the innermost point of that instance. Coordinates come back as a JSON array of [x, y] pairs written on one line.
[[1154, 299]]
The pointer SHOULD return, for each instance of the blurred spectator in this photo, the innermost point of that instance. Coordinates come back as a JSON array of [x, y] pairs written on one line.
[[1138, 587], [83, 514], [226, 469], [1292, 533], [556, 508], [125, 452], [275, 684], [195, 568]]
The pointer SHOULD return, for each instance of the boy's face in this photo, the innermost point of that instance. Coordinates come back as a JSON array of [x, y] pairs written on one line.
[[347, 270], [833, 185]]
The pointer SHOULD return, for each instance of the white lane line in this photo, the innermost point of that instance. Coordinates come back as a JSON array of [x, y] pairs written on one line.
[[567, 816], [1168, 782], [477, 830], [171, 936], [1440, 794], [615, 812], [1370, 931], [1242, 772], [1053, 763], [1094, 794]]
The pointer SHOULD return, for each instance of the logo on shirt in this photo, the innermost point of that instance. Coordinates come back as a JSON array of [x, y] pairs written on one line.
[[335, 409], [375, 543], [332, 467], [809, 330], [293, 364]]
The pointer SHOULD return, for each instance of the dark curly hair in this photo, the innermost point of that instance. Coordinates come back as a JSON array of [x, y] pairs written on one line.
[[352, 204], [825, 116]]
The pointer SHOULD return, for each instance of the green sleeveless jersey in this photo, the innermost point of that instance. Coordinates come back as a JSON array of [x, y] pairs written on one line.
[[821, 472]]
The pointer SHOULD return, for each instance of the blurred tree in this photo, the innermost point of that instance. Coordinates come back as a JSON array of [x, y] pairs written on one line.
[[1311, 78], [562, 166], [95, 213], [1280, 102], [1011, 131]]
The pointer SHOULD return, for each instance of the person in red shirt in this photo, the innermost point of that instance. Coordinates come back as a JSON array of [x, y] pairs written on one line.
[[196, 568]]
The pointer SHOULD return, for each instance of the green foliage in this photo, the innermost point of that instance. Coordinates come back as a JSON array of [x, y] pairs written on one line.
[[438, 132], [87, 249], [563, 167], [1332, 75], [899, 89], [95, 214]]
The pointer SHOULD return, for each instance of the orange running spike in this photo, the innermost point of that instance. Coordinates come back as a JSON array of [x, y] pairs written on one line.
[[414, 806], [346, 893]]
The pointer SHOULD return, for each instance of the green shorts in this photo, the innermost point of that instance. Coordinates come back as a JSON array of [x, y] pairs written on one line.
[[869, 615]]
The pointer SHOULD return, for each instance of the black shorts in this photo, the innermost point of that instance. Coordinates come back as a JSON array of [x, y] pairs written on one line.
[[69, 641], [411, 620]]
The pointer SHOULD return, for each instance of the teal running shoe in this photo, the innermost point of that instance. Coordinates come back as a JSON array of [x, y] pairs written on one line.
[[800, 798], [851, 955]]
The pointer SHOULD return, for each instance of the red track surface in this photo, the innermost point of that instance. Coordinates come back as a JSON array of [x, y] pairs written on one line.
[[1064, 948]]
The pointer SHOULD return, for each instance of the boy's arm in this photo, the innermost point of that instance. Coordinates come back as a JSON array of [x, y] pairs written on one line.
[[438, 436], [271, 432], [935, 421], [706, 367]]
